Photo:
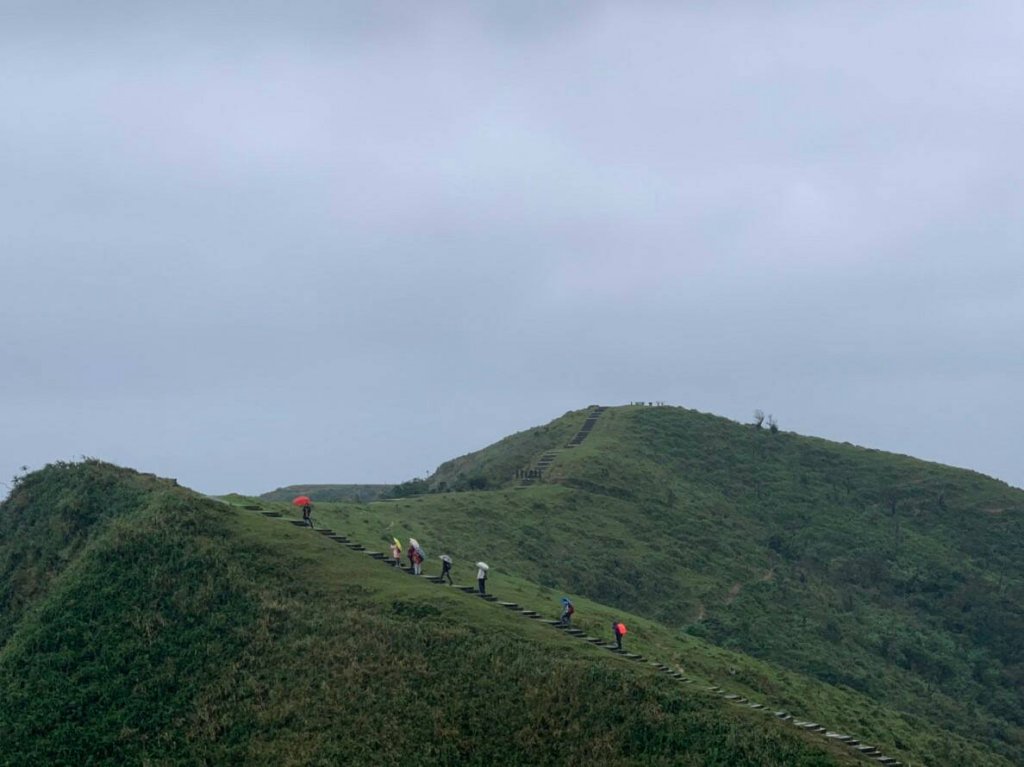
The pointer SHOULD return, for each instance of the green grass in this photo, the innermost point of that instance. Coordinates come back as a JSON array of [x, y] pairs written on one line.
[[880, 595], [187, 631], [896, 584]]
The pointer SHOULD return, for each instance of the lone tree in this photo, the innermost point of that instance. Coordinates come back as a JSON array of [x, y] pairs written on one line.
[[758, 418], [773, 425]]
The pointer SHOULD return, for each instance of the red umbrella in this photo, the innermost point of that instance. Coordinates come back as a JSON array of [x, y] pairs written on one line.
[[302, 500]]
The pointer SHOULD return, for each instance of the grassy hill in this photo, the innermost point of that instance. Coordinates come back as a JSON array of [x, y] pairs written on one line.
[[144, 624], [885, 578], [320, 493], [874, 593]]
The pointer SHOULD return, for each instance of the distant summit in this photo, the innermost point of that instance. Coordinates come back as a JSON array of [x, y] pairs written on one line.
[[324, 493]]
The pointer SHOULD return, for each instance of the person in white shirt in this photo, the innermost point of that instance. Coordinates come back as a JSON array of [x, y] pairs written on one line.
[[481, 579]]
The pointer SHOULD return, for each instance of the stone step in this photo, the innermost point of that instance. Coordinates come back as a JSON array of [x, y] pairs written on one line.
[[298, 522], [467, 589], [510, 605], [376, 555], [276, 514], [325, 531]]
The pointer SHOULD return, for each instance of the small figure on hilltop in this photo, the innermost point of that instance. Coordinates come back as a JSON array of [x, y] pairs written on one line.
[[481, 576], [446, 569], [619, 629], [568, 609]]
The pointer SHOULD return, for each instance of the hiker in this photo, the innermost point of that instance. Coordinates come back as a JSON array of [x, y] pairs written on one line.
[[417, 556], [446, 569], [411, 553], [307, 510], [396, 551], [618, 628], [565, 619], [481, 577]]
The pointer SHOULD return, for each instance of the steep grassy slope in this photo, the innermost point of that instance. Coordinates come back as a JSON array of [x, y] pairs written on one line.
[[182, 631], [878, 574]]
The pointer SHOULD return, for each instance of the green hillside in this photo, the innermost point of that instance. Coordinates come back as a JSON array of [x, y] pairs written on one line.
[[320, 493], [144, 624], [883, 577]]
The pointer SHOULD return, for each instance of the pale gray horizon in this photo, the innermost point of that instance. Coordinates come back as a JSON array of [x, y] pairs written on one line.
[[336, 242]]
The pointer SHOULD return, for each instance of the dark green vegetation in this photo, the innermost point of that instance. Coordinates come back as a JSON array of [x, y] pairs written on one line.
[[319, 493], [897, 584], [143, 624]]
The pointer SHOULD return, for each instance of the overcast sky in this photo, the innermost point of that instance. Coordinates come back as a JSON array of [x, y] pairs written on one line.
[[332, 242]]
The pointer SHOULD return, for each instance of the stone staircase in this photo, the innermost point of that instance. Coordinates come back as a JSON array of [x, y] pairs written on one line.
[[584, 431], [537, 471], [871, 753]]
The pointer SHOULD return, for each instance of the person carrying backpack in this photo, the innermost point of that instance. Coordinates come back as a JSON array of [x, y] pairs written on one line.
[[565, 619], [307, 511], [619, 629]]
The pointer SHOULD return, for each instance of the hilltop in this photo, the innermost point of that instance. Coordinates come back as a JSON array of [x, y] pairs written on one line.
[[878, 575], [144, 623]]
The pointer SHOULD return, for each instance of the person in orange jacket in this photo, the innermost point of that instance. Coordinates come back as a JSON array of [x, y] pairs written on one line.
[[619, 629]]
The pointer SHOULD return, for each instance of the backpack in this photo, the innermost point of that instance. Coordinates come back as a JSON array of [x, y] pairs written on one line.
[[569, 609]]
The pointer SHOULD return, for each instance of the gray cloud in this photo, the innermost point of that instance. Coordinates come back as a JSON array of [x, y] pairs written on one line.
[[328, 242]]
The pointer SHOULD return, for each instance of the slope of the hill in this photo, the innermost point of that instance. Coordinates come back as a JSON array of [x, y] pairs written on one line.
[[495, 466], [878, 573], [321, 493], [182, 631]]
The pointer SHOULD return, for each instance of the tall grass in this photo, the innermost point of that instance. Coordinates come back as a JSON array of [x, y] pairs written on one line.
[[182, 631]]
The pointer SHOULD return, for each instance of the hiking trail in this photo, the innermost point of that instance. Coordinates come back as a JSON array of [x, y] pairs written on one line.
[[855, 744], [536, 472]]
